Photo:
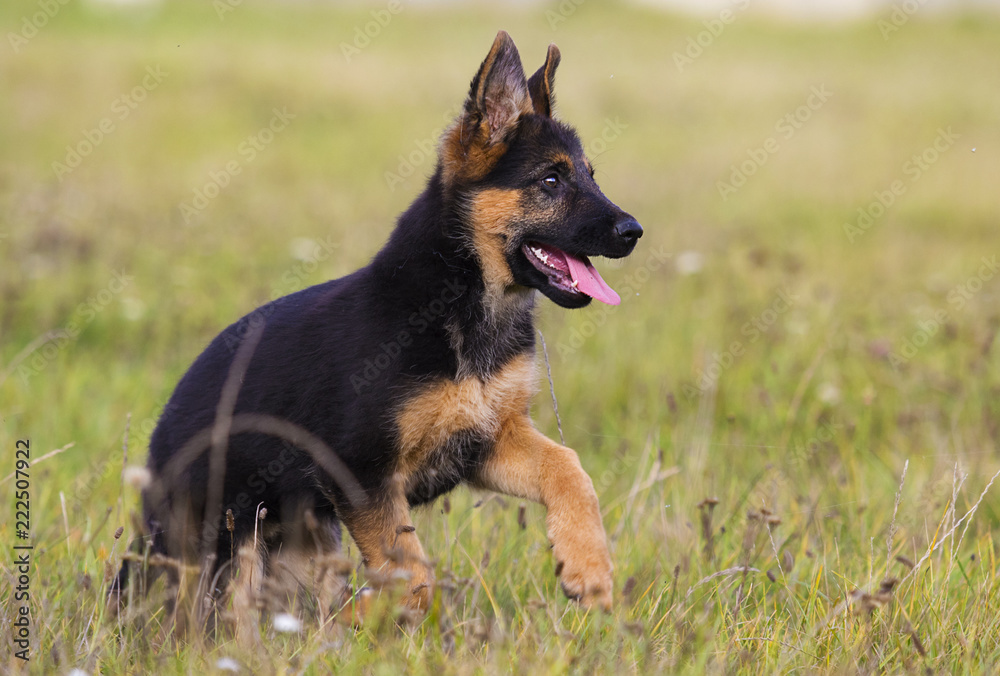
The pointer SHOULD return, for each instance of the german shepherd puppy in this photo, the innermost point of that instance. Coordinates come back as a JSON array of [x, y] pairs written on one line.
[[353, 401]]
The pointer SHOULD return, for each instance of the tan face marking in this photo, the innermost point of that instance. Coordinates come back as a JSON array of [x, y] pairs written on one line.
[[493, 210], [563, 158]]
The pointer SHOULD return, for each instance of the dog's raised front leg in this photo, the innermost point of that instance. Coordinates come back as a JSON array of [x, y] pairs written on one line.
[[389, 545], [527, 464]]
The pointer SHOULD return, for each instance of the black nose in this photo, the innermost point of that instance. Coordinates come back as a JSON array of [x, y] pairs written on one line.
[[628, 228]]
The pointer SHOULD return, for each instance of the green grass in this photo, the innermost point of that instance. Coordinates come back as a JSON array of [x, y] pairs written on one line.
[[802, 438]]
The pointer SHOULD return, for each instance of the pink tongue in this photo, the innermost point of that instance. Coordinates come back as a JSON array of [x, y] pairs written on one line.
[[589, 281]]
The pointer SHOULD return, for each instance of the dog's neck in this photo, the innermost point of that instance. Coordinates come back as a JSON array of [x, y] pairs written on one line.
[[429, 265]]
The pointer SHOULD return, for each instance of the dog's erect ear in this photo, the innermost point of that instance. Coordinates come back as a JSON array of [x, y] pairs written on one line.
[[499, 93], [541, 85], [498, 98]]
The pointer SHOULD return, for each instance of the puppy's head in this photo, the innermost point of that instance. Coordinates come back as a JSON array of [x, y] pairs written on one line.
[[532, 210]]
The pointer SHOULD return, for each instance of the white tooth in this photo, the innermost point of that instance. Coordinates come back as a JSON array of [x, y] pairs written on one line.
[[574, 283], [544, 258], [541, 255]]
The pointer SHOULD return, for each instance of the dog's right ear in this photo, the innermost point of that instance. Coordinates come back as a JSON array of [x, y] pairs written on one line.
[[499, 93], [542, 83]]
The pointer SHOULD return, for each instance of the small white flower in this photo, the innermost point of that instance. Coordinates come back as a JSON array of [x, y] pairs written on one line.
[[797, 326], [287, 623], [829, 393], [690, 262], [303, 248], [227, 664], [137, 477], [133, 309]]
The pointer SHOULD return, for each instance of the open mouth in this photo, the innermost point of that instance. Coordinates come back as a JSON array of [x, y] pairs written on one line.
[[568, 273]]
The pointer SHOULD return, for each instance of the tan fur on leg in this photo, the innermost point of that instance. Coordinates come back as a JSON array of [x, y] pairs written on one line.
[[390, 547], [527, 464]]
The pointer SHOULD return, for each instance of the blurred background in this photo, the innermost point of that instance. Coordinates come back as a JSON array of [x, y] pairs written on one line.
[[169, 166], [814, 303]]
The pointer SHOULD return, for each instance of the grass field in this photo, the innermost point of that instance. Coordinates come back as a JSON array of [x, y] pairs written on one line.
[[792, 419]]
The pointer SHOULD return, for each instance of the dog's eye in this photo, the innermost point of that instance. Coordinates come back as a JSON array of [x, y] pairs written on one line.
[[551, 182]]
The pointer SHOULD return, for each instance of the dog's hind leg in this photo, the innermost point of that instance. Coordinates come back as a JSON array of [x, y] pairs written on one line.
[[245, 585], [308, 560]]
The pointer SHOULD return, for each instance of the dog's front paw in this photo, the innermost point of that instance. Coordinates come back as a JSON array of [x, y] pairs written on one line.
[[421, 589], [587, 578]]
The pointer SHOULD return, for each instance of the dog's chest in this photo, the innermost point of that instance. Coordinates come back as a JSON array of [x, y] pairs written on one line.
[[437, 426]]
